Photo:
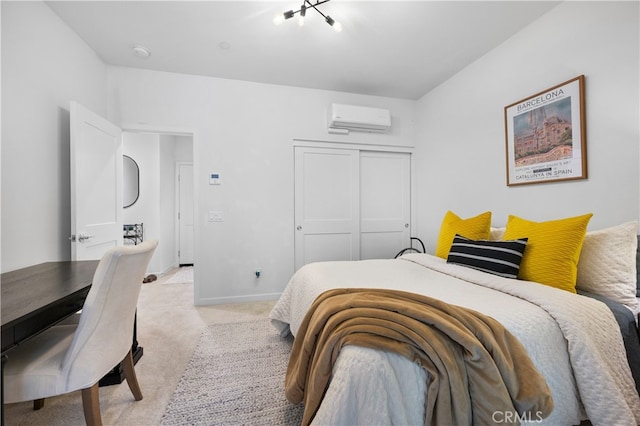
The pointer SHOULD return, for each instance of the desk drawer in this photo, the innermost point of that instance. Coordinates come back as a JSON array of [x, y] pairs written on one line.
[[7, 339], [47, 317]]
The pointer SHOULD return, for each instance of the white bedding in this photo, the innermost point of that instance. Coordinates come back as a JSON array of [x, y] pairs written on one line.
[[562, 333]]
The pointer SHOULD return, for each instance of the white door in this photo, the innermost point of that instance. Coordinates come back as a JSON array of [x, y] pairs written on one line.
[[326, 198], [385, 203], [185, 214], [96, 184]]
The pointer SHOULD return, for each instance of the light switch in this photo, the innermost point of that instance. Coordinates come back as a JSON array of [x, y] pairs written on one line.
[[216, 216]]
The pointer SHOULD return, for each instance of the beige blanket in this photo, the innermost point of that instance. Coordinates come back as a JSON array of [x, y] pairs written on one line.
[[476, 367]]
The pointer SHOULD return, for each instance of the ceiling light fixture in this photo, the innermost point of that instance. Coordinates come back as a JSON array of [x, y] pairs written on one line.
[[303, 11]]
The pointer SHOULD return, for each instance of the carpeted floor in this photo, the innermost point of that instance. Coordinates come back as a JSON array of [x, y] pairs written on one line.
[[169, 328], [184, 275], [235, 377]]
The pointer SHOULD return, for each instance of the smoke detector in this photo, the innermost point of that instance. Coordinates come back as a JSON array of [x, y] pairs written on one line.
[[141, 51]]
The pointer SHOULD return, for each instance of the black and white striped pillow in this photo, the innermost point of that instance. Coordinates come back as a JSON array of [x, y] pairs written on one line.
[[495, 257]]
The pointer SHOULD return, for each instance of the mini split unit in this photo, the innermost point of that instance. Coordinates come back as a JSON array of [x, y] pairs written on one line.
[[345, 118]]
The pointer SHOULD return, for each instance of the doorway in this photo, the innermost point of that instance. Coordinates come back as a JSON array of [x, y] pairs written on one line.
[[157, 155]]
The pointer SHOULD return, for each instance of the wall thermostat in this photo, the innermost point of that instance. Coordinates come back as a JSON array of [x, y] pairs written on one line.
[[214, 178]]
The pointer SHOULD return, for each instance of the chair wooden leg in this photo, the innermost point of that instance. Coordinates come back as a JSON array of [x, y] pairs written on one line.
[[91, 405], [130, 375], [38, 403]]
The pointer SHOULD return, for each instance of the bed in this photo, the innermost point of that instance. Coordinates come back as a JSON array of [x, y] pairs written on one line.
[[572, 339]]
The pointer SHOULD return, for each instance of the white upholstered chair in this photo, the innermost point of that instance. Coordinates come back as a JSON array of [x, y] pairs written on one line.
[[66, 358]]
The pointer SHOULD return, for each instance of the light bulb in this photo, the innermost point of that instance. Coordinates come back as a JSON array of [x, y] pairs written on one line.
[[279, 19], [303, 12], [335, 25]]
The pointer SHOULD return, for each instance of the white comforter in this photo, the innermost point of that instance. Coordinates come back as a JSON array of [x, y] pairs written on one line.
[[562, 332]]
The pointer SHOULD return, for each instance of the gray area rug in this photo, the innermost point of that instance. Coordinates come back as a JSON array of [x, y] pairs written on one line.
[[235, 377]]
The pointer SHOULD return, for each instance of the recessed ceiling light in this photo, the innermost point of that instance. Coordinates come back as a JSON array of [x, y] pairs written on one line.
[[224, 45], [141, 51]]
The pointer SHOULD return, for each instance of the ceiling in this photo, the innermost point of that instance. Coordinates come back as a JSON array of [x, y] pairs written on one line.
[[400, 49]]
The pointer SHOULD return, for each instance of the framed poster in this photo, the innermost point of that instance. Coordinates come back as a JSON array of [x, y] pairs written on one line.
[[546, 135]]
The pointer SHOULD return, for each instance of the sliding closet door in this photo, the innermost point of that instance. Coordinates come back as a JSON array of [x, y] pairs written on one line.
[[327, 215], [351, 204], [385, 203]]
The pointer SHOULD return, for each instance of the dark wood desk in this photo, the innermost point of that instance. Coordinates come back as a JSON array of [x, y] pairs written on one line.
[[37, 297], [40, 296]]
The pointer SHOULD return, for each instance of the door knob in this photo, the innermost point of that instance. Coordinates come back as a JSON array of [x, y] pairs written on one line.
[[299, 228], [83, 237]]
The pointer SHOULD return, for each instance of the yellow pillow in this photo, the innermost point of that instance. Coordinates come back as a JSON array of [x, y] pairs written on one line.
[[473, 228], [553, 249]]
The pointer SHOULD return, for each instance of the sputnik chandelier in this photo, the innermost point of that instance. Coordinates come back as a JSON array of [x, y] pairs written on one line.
[[303, 12]]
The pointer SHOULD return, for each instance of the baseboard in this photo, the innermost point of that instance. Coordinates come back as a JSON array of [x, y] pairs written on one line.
[[237, 299]]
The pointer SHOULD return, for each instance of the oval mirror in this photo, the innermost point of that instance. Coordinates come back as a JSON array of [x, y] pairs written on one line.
[[130, 181]]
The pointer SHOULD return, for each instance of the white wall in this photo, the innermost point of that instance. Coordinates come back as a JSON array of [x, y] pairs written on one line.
[[460, 154], [244, 131], [0, 139], [182, 148], [44, 66]]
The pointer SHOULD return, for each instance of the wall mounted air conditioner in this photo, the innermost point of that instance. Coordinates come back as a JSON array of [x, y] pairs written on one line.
[[358, 118]]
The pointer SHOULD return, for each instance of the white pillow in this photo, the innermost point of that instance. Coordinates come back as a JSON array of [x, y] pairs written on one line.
[[607, 263], [495, 234]]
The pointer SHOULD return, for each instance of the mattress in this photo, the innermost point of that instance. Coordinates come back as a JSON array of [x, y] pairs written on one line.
[[557, 328]]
